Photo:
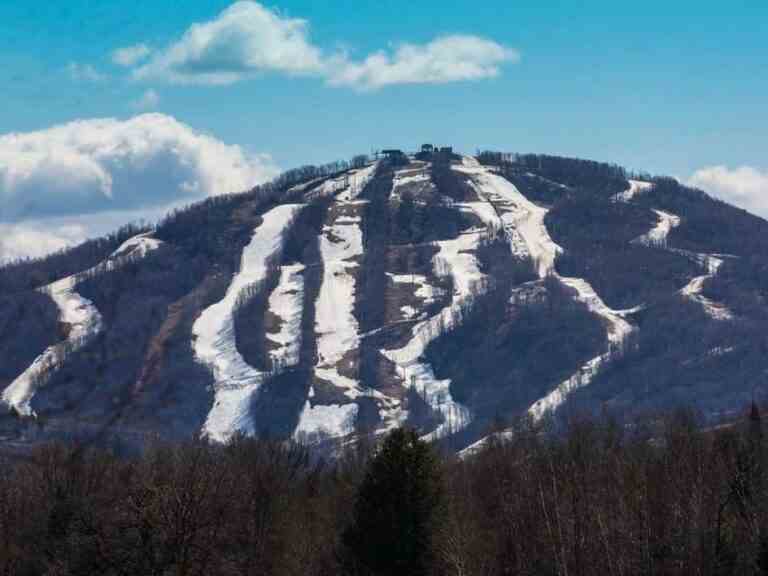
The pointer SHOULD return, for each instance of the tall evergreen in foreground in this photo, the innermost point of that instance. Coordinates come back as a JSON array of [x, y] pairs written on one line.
[[396, 510]]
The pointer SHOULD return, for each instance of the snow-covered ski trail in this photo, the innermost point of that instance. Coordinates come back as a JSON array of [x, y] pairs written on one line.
[[83, 319], [285, 303], [528, 236], [337, 330], [636, 187], [235, 381], [657, 237], [455, 258], [695, 288]]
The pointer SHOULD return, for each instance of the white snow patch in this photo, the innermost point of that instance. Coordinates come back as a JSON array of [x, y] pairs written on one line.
[[334, 420], [409, 177], [472, 449], [335, 323], [409, 311], [236, 382], [635, 187], [356, 182], [657, 236], [285, 302], [83, 319], [484, 211], [694, 289]]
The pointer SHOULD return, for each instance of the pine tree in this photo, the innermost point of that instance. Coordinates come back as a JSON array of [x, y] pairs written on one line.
[[396, 510]]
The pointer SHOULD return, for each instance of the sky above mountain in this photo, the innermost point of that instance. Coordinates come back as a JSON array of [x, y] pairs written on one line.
[[117, 110]]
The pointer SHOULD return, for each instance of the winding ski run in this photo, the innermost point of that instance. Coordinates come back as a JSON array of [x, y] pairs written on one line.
[[710, 263], [523, 222], [83, 320]]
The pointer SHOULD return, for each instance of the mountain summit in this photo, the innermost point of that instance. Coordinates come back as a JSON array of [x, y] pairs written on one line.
[[451, 293]]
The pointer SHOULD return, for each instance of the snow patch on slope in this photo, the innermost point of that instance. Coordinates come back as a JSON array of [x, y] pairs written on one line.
[[658, 235], [341, 244], [285, 302], [236, 382], [334, 420], [695, 288], [81, 316], [635, 187]]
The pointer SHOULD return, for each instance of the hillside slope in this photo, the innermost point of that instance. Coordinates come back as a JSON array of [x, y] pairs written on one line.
[[450, 293]]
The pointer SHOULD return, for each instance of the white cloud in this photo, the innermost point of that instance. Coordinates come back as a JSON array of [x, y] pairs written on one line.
[[84, 73], [148, 100], [130, 55], [744, 186], [447, 59], [247, 39], [100, 165], [35, 240]]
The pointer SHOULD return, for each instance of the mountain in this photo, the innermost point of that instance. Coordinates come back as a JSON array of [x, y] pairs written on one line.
[[452, 293]]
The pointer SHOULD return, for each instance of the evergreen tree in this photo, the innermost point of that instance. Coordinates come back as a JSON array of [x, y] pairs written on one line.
[[396, 510]]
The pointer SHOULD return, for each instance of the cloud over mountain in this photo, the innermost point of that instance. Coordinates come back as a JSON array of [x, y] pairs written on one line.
[[744, 186], [95, 166]]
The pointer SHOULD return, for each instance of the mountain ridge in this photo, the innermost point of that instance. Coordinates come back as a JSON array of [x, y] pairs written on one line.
[[447, 292]]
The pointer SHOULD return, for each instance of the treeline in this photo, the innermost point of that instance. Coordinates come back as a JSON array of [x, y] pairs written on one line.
[[661, 497], [31, 273], [708, 224], [29, 323], [589, 176]]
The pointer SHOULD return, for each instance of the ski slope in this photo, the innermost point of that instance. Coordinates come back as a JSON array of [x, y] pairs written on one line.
[[341, 245], [416, 179], [695, 288], [333, 420], [236, 382], [658, 236], [528, 236], [455, 258], [617, 328], [635, 187], [82, 318], [336, 328], [285, 303], [522, 220]]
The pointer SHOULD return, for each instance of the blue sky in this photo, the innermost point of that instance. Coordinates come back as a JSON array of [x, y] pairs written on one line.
[[676, 88]]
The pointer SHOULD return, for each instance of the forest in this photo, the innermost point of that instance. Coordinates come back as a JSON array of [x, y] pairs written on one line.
[[664, 496]]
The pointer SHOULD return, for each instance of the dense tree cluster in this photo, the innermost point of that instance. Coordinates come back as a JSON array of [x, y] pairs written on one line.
[[28, 324], [593, 177], [661, 497]]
